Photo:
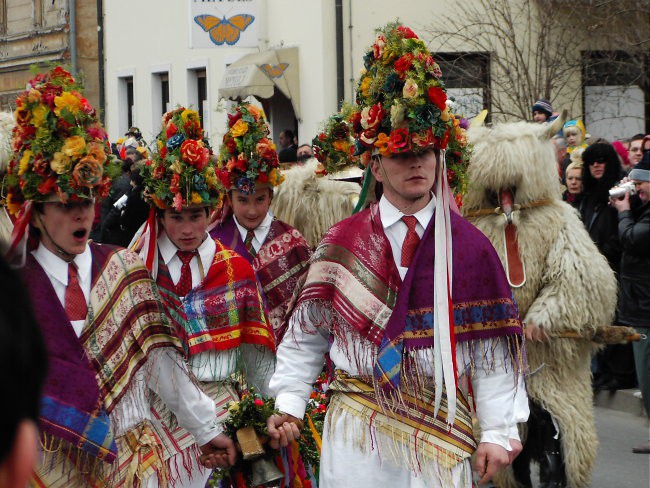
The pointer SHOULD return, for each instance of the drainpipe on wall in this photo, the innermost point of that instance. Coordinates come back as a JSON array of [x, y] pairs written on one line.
[[340, 84], [72, 6], [100, 58]]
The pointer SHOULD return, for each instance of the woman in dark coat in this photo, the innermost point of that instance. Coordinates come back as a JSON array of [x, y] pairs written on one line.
[[602, 170]]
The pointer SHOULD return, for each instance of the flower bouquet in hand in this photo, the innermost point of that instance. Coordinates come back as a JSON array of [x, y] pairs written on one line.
[[246, 424], [312, 432]]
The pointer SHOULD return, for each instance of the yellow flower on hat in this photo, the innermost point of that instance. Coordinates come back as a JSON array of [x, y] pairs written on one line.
[[410, 89], [365, 86], [60, 163], [256, 112], [74, 146], [24, 162], [239, 129], [196, 198], [12, 206], [68, 101], [275, 177], [211, 177], [382, 144], [189, 114], [39, 113]]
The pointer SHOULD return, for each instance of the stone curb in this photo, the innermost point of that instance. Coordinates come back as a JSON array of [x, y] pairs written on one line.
[[622, 400]]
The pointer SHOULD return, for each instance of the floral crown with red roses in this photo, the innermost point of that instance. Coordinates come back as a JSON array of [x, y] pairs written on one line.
[[60, 150], [401, 99], [181, 173], [248, 157]]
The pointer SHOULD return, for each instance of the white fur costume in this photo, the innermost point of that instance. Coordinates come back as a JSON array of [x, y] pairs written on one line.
[[569, 285], [312, 204]]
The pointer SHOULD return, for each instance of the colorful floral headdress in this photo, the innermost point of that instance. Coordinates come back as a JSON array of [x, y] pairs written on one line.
[[181, 173], [248, 158], [334, 145], [401, 98], [60, 149]]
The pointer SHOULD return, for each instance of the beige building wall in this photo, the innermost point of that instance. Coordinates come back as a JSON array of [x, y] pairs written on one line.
[[36, 33]]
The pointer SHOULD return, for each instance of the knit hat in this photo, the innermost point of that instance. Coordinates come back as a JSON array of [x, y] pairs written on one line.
[[401, 99], [248, 159], [641, 171], [60, 150], [544, 106], [576, 125], [181, 174]]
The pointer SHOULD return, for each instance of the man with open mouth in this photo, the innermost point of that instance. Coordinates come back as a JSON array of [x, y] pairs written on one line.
[[109, 341]]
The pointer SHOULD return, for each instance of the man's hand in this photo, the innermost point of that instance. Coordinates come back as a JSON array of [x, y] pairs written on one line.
[[534, 332], [283, 428], [516, 448], [220, 452], [621, 204], [490, 458]]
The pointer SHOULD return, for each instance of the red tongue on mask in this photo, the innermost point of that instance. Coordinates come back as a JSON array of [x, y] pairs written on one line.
[[514, 265]]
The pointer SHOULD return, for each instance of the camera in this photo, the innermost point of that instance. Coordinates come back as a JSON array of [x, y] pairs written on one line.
[[619, 191]]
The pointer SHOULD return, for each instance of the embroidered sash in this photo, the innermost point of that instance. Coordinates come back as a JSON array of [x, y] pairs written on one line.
[[224, 311], [279, 264], [415, 433], [88, 375]]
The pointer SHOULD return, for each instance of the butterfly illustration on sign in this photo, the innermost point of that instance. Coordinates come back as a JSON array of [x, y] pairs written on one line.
[[225, 29], [274, 70]]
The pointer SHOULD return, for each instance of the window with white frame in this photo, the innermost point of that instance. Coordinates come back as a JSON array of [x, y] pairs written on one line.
[[197, 96], [126, 101], [159, 98]]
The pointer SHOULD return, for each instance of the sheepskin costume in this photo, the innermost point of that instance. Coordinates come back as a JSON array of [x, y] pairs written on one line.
[[568, 286], [312, 203]]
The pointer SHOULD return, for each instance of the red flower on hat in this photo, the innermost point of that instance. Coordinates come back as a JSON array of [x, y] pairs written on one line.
[[171, 130], [59, 73], [403, 64], [438, 97], [378, 47], [174, 184], [195, 153], [47, 186], [368, 137], [398, 141], [407, 33], [233, 118], [371, 117]]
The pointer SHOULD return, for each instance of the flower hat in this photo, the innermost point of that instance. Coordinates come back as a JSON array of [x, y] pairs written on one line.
[[334, 145], [402, 99], [248, 157], [181, 173], [60, 150]]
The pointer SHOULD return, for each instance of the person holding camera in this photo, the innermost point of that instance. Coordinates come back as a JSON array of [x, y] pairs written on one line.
[[634, 296]]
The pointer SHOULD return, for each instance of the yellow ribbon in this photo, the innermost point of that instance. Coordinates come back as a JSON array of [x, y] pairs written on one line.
[[315, 433]]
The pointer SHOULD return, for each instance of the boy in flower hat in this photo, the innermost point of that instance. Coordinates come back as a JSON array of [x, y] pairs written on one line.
[[410, 301], [249, 169], [209, 290], [107, 336]]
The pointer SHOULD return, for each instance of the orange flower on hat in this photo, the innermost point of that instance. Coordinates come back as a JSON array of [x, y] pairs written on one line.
[[87, 172]]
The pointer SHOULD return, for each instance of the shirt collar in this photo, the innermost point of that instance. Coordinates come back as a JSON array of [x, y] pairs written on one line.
[[58, 268], [390, 214], [168, 249], [260, 231]]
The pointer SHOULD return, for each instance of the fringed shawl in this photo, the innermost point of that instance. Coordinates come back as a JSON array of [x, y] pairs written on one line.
[[279, 264], [89, 375], [354, 275], [224, 311]]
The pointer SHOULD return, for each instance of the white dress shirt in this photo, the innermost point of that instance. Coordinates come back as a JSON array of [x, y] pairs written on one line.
[[260, 232], [164, 372], [199, 265]]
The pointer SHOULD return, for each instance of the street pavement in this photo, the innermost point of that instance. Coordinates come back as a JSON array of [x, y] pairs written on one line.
[[617, 466]]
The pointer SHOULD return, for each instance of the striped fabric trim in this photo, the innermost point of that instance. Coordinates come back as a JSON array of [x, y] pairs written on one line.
[[410, 423]]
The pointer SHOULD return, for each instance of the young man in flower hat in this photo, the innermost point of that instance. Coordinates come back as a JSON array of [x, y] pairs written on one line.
[[107, 337], [249, 169], [209, 290], [410, 301]]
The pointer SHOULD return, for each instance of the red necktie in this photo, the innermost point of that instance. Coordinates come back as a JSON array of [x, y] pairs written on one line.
[[248, 242], [184, 285], [75, 301], [411, 240]]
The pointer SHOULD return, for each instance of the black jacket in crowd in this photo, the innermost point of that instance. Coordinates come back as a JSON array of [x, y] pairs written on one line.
[[634, 293]]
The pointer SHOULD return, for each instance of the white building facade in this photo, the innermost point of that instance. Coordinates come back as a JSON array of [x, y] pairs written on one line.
[[299, 57]]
